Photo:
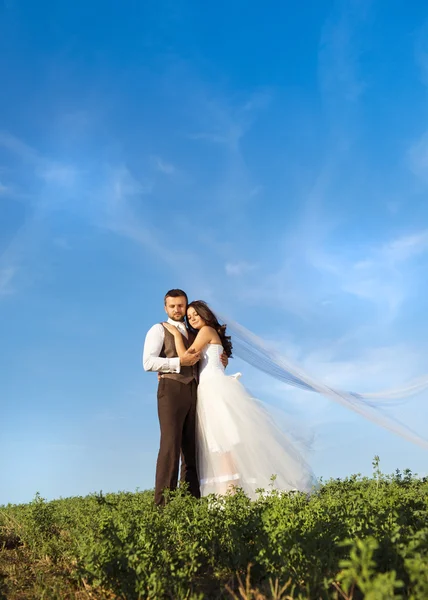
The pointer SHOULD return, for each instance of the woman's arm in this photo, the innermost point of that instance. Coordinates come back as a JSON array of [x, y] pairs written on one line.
[[204, 337], [178, 338]]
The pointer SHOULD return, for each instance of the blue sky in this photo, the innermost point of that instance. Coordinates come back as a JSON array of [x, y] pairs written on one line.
[[272, 160]]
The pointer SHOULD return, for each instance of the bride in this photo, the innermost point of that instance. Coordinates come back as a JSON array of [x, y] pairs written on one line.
[[239, 443]]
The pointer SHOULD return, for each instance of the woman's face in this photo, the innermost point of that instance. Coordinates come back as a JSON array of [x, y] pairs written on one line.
[[194, 319]]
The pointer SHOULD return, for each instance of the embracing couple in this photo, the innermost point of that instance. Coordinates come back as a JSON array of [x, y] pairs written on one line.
[[224, 436]]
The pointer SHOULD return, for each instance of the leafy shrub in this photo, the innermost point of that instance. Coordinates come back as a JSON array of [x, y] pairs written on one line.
[[352, 538]]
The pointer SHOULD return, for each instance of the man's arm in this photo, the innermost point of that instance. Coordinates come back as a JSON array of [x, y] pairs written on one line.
[[153, 347]]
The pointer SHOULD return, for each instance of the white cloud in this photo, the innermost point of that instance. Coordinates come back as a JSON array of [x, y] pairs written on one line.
[[279, 289], [309, 273], [47, 169], [405, 247], [371, 368], [18, 147], [256, 191], [162, 166], [224, 124], [229, 138], [58, 174], [421, 52], [121, 187], [120, 218], [381, 275], [393, 206], [62, 242], [77, 123], [417, 158], [239, 268], [6, 276], [339, 53], [110, 415]]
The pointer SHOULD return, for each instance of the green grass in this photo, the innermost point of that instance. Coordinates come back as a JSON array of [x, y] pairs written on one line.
[[353, 538]]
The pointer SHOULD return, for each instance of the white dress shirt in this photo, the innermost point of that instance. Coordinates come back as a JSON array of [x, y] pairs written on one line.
[[153, 345]]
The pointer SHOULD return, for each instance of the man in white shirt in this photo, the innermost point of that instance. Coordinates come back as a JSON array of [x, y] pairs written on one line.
[[177, 397]]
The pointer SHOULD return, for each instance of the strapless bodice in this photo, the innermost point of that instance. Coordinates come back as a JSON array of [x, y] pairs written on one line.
[[210, 363]]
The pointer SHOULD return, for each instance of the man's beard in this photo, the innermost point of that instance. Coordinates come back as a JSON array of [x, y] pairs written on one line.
[[178, 319]]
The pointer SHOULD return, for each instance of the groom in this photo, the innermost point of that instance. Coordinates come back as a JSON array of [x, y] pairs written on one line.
[[178, 379]]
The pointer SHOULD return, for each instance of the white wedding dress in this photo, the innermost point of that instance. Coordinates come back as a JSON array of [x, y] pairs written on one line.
[[239, 443]]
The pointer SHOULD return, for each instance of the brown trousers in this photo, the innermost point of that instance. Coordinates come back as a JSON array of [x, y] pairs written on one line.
[[177, 419]]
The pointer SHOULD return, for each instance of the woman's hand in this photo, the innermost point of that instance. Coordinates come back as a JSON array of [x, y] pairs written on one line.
[[171, 329]]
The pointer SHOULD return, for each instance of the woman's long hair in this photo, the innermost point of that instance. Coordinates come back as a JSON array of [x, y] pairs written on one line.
[[204, 311]]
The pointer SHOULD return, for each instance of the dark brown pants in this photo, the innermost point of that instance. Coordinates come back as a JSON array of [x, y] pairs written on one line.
[[177, 419]]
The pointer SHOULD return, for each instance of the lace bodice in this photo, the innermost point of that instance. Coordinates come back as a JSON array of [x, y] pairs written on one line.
[[210, 363]]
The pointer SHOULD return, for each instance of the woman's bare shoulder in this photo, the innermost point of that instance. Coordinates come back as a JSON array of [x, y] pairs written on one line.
[[209, 333], [208, 328]]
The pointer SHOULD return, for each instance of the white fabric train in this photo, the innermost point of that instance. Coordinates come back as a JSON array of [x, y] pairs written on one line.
[[250, 348]]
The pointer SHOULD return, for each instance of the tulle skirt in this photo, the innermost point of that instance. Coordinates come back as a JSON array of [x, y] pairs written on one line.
[[240, 443]]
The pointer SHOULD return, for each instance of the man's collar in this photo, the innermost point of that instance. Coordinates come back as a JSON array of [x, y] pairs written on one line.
[[176, 323]]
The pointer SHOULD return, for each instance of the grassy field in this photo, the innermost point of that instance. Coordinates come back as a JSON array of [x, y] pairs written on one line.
[[353, 538]]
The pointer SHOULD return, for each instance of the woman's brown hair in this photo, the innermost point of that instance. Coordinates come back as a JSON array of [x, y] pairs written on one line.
[[204, 311]]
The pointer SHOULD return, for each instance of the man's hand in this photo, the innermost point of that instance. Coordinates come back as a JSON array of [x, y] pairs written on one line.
[[224, 359], [190, 358]]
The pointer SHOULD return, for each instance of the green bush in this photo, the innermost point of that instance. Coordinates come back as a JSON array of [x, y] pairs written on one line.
[[352, 538]]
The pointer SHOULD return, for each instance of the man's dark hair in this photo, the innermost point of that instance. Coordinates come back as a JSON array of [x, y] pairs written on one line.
[[176, 294]]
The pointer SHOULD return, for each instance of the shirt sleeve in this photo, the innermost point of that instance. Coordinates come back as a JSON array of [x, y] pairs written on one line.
[[152, 348]]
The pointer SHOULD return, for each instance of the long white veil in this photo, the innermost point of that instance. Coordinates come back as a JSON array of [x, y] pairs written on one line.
[[253, 350]]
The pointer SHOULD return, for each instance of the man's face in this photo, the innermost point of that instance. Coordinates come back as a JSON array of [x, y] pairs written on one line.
[[175, 308]]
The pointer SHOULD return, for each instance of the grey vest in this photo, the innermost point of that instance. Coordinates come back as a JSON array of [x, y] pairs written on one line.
[[187, 374]]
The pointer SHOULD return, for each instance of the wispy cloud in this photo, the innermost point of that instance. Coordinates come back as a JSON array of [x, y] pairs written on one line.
[[49, 171], [417, 157], [405, 247], [224, 123], [380, 275], [118, 194], [18, 147], [63, 447], [119, 188], [163, 166], [62, 242], [58, 174], [239, 268], [312, 274], [339, 52], [110, 415], [421, 52], [256, 191], [230, 138], [278, 288], [6, 277]]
